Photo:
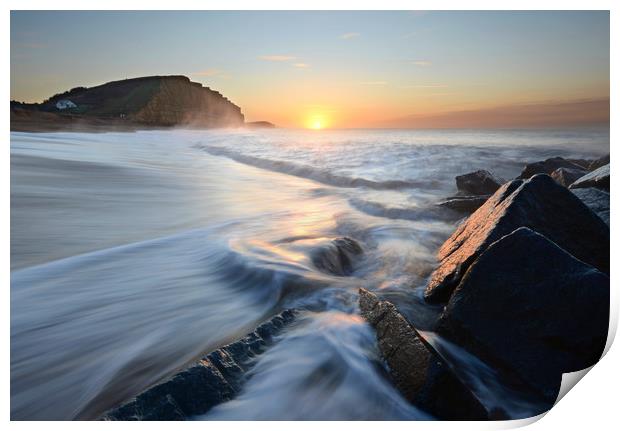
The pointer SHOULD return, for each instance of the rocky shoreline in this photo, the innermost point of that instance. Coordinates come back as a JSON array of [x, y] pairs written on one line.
[[212, 380], [523, 283]]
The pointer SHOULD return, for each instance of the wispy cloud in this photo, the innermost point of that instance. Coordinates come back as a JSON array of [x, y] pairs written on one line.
[[426, 86], [349, 35], [208, 72], [301, 65], [546, 114], [422, 63], [378, 83], [31, 45], [277, 57]]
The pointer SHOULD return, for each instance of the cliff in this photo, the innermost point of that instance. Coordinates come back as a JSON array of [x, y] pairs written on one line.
[[154, 101]]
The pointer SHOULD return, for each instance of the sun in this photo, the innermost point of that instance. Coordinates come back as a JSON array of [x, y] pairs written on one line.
[[317, 124]]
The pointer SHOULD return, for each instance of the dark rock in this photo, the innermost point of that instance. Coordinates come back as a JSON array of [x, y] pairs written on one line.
[[528, 306], [259, 125], [598, 178], [212, 380], [597, 200], [337, 257], [417, 370], [400, 346], [231, 370], [478, 183], [599, 163], [464, 204], [582, 163], [538, 203], [188, 393], [566, 176], [546, 167]]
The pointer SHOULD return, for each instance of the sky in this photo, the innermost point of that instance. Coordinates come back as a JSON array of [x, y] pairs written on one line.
[[337, 69]]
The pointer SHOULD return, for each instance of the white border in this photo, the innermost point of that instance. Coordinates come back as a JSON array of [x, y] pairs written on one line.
[[592, 404]]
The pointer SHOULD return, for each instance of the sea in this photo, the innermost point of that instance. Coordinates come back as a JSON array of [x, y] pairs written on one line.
[[134, 254]]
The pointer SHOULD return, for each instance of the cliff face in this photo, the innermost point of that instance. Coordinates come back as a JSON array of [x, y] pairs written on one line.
[[154, 101], [180, 101]]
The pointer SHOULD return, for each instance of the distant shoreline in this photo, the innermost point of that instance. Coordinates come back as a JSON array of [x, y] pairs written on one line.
[[32, 121], [25, 120]]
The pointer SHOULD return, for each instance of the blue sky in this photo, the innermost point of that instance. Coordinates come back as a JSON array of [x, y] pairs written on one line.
[[343, 65]]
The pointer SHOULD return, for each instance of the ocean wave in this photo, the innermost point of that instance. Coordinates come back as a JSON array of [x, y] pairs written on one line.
[[325, 367], [377, 209], [322, 176], [91, 330]]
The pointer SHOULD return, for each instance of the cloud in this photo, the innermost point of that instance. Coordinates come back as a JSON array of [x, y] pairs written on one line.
[[378, 83], [208, 72], [422, 63], [531, 115], [349, 35], [301, 65], [31, 45], [277, 57], [441, 94], [426, 86]]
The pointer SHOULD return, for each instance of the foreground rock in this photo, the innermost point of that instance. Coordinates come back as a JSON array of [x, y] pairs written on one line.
[[530, 308], [582, 163], [418, 372], [478, 183], [337, 257], [597, 200], [210, 381], [566, 176], [547, 167], [598, 178], [464, 204], [540, 204], [598, 163]]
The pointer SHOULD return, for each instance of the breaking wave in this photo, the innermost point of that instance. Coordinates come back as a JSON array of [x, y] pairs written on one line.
[[377, 209], [319, 175], [324, 368]]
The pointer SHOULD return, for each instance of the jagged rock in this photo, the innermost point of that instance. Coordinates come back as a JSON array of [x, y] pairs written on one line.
[[546, 167], [566, 176], [417, 370], [212, 380], [538, 203], [464, 204], [598, 178], [594, 165], [597, 200], [188, 393], [478, 183], [582, 163], [529, 307], [338, 256]]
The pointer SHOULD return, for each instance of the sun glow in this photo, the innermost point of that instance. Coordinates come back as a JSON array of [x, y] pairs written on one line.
[[316, 122]]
